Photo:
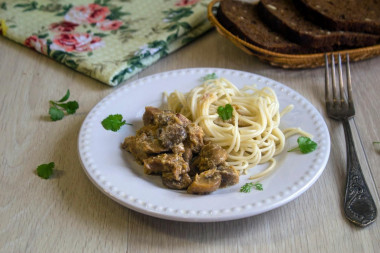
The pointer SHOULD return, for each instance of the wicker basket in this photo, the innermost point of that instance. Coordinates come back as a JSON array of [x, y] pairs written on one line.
[[291, 61]]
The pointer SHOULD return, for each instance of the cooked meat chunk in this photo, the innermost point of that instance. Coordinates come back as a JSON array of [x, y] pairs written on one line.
[[158, 117], [206, 182], [171, 135], [150, 115], [184, 121], [194, 166], [230, 175], [173, 163], [167, 118], [144, 144], [178, 149], [171, 127], [137, 151], [187, 154], [195, 136], [170, 181], [211, 156], [149, 130]]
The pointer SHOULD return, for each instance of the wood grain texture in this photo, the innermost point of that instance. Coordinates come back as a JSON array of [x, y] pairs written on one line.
[[69, 214]]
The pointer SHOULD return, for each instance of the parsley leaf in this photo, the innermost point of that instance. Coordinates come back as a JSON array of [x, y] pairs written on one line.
[[57, 107], [248, 187], [45, 170], [305, 145], [70, 107], [56, 114], [225, 112], [114, 122], [209, 77], [63, 99]]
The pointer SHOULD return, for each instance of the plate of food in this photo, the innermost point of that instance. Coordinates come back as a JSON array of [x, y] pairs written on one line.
[[204, 145]]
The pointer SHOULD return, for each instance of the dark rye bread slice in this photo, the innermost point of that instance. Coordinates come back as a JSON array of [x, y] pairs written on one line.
[[353, 15], [242, 20], [284, 17]]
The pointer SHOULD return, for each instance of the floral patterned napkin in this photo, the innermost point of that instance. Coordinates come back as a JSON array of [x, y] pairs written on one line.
[[109, 40]]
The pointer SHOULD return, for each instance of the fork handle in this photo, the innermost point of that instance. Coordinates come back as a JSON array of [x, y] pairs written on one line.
[[359, 206]]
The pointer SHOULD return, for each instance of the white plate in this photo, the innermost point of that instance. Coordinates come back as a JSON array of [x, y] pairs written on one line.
[[117, 175]]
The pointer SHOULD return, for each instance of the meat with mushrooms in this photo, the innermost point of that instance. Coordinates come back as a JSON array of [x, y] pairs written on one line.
[[229, 174], [211, 156], [205, 183], [166, 163], [170, 181], [172, 135], [150, 115], [195, 137], [171, 127], [187, 154], [144, 144], [158, 117], [172, 167], [172, 146]]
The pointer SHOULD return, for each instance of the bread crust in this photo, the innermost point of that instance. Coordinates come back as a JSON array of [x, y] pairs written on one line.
[[242, 19], [286, 18], [353, 15]]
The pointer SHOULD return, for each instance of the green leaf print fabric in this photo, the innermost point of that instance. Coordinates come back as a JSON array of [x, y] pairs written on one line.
[[109, 40]]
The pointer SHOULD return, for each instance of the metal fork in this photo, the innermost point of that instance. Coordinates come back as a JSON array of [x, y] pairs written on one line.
[[359, 206]]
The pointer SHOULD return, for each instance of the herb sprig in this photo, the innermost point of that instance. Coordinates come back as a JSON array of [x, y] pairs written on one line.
[[305, 145], [249, 186], [57, 108], [209, 77], [45, 170], [225, 112], [114, 122]]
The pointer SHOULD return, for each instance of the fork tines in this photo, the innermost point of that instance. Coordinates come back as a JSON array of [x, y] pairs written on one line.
[[335, 100]]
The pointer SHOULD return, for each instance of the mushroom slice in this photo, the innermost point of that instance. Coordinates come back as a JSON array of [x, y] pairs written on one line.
[[230, 175], [181, 182], [211, 156], [206, 182]]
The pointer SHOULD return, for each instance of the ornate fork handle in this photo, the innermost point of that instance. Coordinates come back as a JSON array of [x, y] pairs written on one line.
[[359, 205]]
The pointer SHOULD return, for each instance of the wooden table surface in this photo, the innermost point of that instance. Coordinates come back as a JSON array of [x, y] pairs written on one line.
[[68, 213]]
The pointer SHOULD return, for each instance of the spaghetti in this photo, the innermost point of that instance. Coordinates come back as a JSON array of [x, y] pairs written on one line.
[[251, 136]]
